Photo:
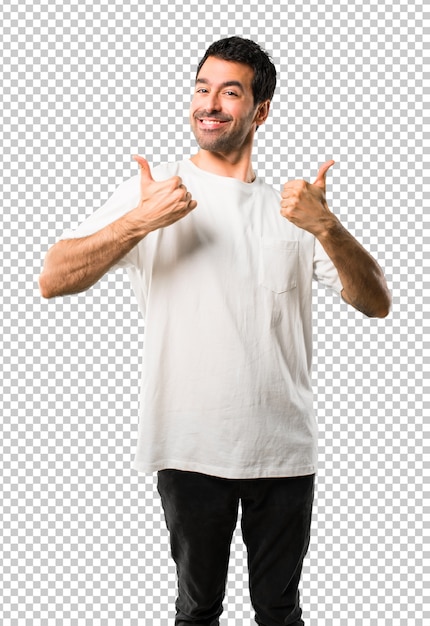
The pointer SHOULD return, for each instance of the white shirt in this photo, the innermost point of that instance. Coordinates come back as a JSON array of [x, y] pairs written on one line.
[[226, 297]]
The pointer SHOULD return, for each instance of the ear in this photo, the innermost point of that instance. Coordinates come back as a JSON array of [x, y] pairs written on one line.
[[262, 112]]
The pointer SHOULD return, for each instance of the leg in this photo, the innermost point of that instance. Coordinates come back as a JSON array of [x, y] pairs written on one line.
[[201, 515], [276, 518]]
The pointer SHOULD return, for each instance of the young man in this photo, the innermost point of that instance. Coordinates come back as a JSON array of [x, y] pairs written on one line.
[[224, 280]]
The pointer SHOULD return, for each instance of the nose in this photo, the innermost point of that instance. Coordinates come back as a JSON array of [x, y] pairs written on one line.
[[212, 103]]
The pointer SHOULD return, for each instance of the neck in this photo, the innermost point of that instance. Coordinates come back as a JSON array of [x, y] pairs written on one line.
[[232, 166]]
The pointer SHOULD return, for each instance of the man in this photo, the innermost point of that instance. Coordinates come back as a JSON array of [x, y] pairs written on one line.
[[224, 278]]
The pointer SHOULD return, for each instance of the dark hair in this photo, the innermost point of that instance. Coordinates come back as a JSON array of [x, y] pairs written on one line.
[[248, 52]]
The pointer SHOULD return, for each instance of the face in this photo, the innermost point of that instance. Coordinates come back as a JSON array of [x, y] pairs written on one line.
[[223, 115]]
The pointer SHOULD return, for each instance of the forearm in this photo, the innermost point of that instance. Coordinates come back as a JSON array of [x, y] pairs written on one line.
[[364, 285], [74, 265]]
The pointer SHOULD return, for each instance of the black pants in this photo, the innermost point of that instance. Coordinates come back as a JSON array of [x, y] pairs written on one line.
[[201, 515]]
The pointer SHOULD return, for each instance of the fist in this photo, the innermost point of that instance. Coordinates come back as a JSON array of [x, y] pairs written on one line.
[[305, 205], [161, 202]]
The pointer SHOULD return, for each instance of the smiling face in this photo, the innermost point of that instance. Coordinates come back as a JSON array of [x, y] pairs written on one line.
[[223, 114]]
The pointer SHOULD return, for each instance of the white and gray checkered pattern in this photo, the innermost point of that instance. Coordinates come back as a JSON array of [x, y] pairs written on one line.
[[86, 84]]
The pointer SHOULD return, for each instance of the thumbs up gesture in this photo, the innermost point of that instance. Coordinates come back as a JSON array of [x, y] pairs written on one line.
[[305, 204], [161, 202]]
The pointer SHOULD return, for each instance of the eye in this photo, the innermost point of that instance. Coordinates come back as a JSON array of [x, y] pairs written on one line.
[[202, 90], [230, 93]]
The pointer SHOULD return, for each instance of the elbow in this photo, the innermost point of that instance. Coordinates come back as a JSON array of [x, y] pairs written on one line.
[[51, 278], [45, 287], [383, 308], [386, 304], [379, 306], [385, 311], [44, 282], [380, 313]]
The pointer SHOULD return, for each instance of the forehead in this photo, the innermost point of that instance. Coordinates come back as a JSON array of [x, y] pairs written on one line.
[[216, 71]]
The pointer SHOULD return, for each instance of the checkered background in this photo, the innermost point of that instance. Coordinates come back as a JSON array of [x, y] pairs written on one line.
[[85, 85]]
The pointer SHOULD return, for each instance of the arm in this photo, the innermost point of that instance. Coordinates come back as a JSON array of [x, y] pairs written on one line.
[[74, 265], [364, 285], [363, 281]]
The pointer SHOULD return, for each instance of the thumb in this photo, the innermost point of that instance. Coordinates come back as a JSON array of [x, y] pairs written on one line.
[[320, 179], [145, 170]]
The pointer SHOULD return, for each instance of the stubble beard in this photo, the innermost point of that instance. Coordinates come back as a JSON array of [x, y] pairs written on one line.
[[224, 142]]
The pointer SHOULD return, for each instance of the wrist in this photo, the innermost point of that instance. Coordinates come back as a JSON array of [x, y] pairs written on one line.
[[131, 227], [328, 228]]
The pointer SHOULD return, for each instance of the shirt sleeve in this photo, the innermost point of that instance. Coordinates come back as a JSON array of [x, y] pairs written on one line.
[[324, 270], [124, 199]]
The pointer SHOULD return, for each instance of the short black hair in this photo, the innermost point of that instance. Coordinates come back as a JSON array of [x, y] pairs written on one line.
[[239, 50]]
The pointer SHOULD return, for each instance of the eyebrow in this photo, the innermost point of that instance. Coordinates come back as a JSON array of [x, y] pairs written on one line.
[[228, 83]]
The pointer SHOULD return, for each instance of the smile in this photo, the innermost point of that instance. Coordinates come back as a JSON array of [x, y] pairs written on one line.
[[211, 124]]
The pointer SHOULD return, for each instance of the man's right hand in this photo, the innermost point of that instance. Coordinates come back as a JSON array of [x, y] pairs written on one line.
[[161, 202], [73, 265]]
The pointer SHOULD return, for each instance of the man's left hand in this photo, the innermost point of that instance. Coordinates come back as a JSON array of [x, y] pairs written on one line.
[[305, 205]]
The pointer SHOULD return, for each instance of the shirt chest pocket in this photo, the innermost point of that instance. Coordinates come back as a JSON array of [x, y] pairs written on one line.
[[278, 266]]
